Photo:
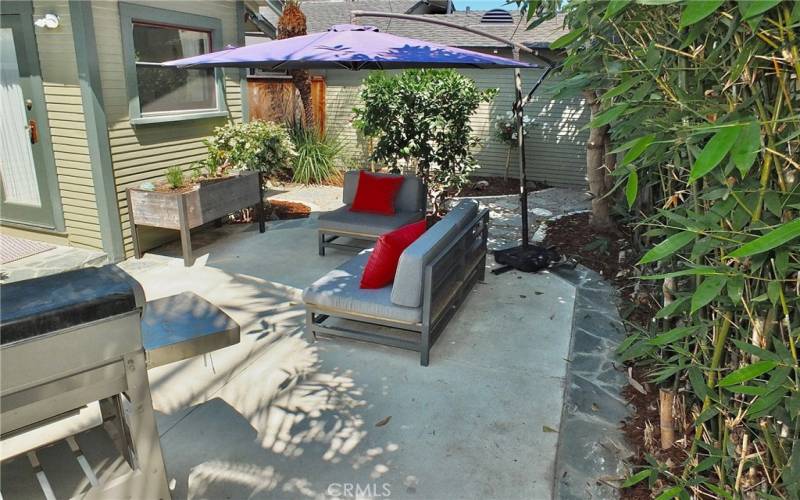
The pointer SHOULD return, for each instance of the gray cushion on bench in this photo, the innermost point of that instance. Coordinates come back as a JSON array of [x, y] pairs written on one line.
[[343, 220], [410, 198], [339, 291], [407, 288]]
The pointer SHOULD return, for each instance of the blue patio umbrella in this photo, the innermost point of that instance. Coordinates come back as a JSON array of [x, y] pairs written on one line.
[[347, 46]]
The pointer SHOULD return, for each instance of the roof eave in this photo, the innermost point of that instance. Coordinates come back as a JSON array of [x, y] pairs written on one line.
[[538, 45]]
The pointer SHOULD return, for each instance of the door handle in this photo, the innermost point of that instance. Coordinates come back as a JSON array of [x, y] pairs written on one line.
[[34, 130]]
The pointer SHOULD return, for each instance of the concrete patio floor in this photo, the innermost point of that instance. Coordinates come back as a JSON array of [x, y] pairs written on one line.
[[277, 417]]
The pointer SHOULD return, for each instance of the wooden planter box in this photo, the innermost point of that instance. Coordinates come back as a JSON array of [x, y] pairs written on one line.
[[184, 210]]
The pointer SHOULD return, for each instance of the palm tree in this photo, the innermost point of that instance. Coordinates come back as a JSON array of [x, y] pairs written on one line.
[[293, 23]]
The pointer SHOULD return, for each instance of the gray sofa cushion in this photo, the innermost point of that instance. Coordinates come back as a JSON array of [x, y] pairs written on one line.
[[343, 220], [339, 291], [410, 198], [407, 288]]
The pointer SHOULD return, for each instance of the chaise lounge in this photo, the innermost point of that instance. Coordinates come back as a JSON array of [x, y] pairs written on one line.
[[433, 277], [409, 205]]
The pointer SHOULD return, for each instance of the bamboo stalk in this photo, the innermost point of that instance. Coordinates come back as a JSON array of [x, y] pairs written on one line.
[[742, 456], [719, 344], [774, 451], [666, 398], [758, 338]]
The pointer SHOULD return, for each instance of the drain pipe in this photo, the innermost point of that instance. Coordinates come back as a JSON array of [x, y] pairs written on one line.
[[519, 101]]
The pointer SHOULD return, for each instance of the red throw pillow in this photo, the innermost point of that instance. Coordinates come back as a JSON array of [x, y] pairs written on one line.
[[382, 263], [376, 193]]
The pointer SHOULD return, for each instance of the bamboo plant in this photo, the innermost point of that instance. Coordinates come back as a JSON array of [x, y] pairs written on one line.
[[702, 101]]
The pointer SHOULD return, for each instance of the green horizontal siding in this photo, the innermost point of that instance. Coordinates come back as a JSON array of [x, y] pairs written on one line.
[[62, 94]]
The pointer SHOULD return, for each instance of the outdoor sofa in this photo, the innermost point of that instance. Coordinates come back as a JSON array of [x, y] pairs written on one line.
[[433, 277], [409, 205]]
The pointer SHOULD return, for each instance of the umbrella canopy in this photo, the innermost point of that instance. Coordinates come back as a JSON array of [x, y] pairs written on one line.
[[347, 46]]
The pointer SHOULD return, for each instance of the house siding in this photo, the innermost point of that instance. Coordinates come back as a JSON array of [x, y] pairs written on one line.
[[555, 147], [144, 152], [56, 50]]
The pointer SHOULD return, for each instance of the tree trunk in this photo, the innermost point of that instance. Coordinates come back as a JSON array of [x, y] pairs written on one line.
[[292, 23], [596, 166], [611, 159], [508, 164], [302, 81]]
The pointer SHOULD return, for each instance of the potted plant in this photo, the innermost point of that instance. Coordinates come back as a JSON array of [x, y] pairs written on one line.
[[505, 131], [231, 180]]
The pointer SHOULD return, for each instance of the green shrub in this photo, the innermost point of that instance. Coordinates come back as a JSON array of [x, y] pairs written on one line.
[[318, 155], [421, 119], [175, 177], [257, 145], [196, 172]]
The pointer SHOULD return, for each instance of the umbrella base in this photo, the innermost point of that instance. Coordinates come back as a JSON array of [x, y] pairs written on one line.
[[526, 258]]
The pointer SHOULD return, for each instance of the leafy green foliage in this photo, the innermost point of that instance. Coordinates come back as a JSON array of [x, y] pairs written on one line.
[[197, 172], [746, 148], [776, 237], [421, 120], [637, 147], [318, 155], [698, 10], [668, 247], [747, 372], [702, 101], [174, 176], [632, 189], [505, 128], [714, 151], [256, 145], [599, 245]]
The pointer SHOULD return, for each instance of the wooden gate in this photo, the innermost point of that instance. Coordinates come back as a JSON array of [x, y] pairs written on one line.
[[276, 99]]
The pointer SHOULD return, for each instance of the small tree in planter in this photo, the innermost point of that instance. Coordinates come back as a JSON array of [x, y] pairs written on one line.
[[421, 119], [505, 131]]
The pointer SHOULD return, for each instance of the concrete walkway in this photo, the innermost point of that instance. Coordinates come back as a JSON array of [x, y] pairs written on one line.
[[276, 417], [280, 418]]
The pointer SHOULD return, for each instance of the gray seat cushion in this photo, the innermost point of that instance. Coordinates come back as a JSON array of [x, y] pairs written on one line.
[[408, 280], [343, 220], [339, 291], [410, 198]]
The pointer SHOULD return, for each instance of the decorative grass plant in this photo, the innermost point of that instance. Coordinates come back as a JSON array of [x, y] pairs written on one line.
[[175, 178]]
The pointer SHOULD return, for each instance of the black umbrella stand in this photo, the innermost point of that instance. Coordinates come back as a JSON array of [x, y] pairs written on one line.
[[525, 257]]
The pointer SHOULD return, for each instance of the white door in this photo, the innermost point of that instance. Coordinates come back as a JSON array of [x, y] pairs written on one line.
[[27, 170], [17, 170]]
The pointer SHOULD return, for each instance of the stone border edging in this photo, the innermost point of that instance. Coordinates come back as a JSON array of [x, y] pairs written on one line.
[[591, 446], [515, 195]]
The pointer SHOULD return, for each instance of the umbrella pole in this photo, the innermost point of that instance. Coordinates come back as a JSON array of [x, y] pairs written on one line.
[[523, 176]]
